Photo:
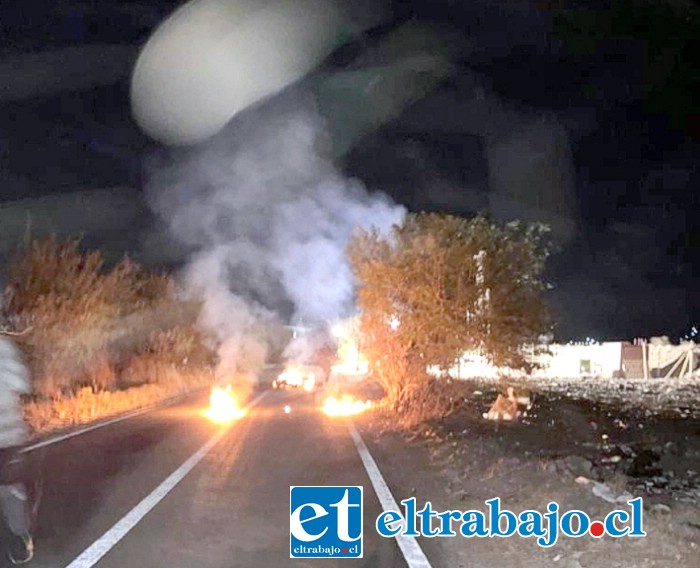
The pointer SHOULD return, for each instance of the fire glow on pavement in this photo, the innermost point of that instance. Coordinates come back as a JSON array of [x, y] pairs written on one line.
[[344, 406]]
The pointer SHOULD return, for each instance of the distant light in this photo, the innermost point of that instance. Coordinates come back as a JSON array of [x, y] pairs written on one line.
[[287, 409]]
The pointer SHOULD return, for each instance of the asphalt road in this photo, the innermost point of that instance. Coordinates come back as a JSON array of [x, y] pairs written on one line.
[[231, 510]]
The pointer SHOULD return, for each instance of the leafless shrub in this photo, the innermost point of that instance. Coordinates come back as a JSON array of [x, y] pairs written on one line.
[[85, 323]]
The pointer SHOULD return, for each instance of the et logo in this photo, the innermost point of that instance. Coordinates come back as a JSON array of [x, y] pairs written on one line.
[[325, 522]]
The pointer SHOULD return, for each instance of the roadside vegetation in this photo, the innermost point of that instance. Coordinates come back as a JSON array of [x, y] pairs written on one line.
[[439, 285], [98, 339]]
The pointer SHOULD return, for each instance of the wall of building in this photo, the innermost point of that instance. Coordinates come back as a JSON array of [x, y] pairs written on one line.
[[597, 360], [604, 360]]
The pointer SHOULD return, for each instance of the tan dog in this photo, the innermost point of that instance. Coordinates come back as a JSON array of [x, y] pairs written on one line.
[[508, 407]]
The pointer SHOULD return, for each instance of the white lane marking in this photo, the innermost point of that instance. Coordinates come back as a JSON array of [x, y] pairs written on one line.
[[93, 553], [102, 424], [411, 550]]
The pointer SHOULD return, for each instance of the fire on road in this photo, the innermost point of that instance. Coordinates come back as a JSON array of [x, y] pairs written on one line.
[[223, 406], [346, 405]]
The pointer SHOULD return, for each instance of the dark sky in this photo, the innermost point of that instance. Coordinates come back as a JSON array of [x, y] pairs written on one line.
[[614, 80]]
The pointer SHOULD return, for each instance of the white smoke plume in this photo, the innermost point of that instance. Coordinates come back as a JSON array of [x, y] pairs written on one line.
[[267, 218], [237, 327]]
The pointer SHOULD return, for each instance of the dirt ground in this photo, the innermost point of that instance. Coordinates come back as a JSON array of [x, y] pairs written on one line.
[[580, 453]]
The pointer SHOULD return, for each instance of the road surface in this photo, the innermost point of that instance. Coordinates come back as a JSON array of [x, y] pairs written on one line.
[[230, 510]]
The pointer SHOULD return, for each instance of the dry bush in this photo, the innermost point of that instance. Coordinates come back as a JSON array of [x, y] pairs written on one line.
[[85, 321], [66, 300], [175, 345], [54, 279], [147, 368], [425, 400], [134, 332], [100, 374], [167, 356], [85, 405]]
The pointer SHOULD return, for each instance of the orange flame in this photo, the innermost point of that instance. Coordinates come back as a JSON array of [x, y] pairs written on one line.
[[295, 377], [344, 406], [351, 361], [223, 406]]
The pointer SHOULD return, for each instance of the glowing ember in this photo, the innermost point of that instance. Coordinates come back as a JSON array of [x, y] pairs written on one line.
[[223, 406], [345, 406], [297, 378], [291, 377]]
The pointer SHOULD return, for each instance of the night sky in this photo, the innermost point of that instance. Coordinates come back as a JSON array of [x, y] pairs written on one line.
[[616, 78]]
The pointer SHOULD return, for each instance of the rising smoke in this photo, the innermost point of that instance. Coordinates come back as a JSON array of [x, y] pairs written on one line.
[[266, 218]]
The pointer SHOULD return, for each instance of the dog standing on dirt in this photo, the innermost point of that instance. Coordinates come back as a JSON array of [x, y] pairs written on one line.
[[509, 407]]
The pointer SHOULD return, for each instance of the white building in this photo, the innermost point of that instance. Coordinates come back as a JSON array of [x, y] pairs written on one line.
[[655, 359]]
